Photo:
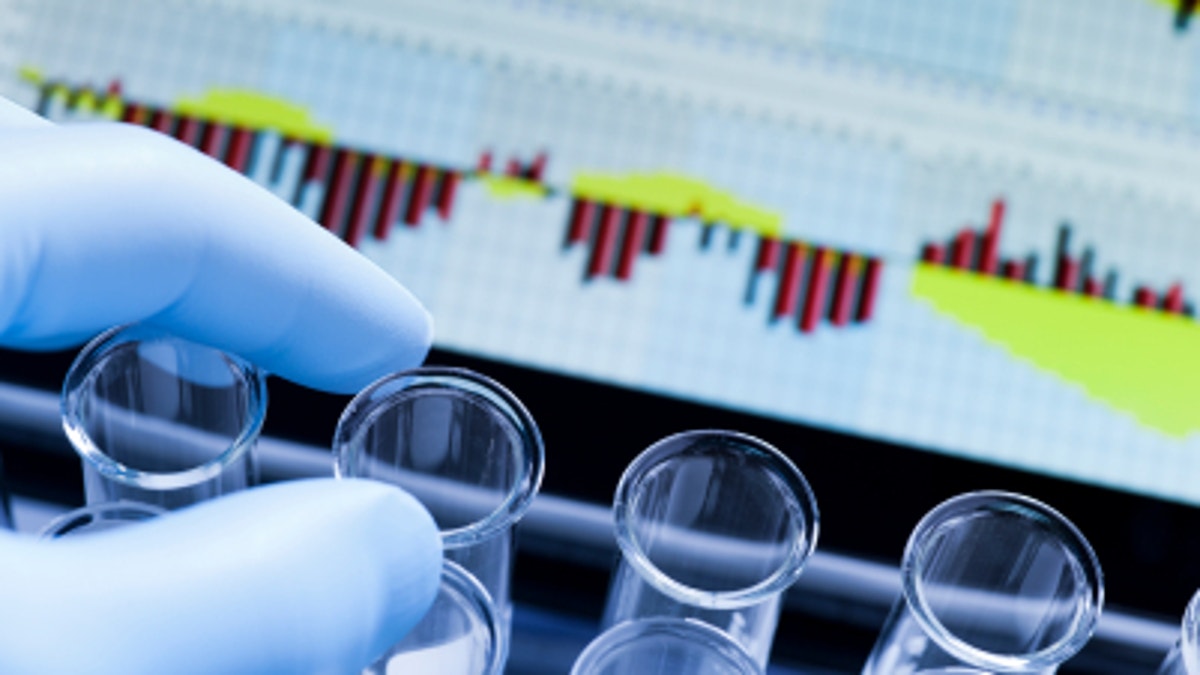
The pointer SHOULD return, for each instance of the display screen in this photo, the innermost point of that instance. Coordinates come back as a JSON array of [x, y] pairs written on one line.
[[965, 228]]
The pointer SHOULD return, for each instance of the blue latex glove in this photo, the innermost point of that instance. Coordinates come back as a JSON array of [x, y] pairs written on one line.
[[107, 224], [104, 224]]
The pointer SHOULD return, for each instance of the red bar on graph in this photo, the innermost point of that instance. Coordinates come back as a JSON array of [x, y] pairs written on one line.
[[1173, 300], [162, 121], [1013, 270], [768, 254], [419, 200], [788, 294], [338, 195], [868, 290], [238, 156], [1144, 297], [485, 161], [606, 240], [389, 206], [635, 235], [1092, 287], [658, 234], [316, 167], [991, 239], [374, 172], [188, 130], [818, 285], [114, 89], [130, 113], [933, 254], [1068, 274], [843, 290], [445, 198], [582, 213], [514, 168], [212, 143], [963, 249]]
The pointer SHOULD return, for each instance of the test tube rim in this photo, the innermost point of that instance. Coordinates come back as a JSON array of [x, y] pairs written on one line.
[[805, 511], [626, 631], [1007, 502], [97, 352], [365, 407]]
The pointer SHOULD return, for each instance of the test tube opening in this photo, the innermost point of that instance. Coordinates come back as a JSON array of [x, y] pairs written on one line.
[[458, 441], [715, 519], [1001, 581], [160, 413]]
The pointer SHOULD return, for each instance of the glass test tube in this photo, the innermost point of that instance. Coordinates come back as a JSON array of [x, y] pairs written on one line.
[[99, 518], [992, 582], [1184, 657], [460, 635], [714, 526], [161, 420], [461, 444], [664, 645]]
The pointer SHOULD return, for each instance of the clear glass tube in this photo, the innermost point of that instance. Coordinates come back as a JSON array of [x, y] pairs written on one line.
[[664, 646], [992, 582], [460, 635], [161, 420], [1184, 657], [99, 518], [713, 526], [461, 444]]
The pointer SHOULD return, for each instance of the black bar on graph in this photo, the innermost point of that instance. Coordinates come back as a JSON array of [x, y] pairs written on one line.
[[1061, 254], [735, 236], [43, 103], [1183, 14], [1086, 262], [706, 235], [285, 146], [1110, 285], [1031, 269]]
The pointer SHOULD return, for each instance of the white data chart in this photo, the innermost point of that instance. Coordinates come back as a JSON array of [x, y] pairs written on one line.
[[822, 157]]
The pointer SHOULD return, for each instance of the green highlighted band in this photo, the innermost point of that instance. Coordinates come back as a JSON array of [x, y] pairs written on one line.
[[253, 110], [676, 195], [1139, 361], [507, 187]]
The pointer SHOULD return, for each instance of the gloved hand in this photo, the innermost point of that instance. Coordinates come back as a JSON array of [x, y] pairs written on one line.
[[105, 224]]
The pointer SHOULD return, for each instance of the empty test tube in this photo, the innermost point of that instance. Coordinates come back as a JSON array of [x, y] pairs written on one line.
[[161, 420], [712, 526], [991, 582], [1184, 657], [466, 448]]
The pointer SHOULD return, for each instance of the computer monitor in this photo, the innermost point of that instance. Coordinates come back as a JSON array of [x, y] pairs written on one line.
[[922, 247]]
